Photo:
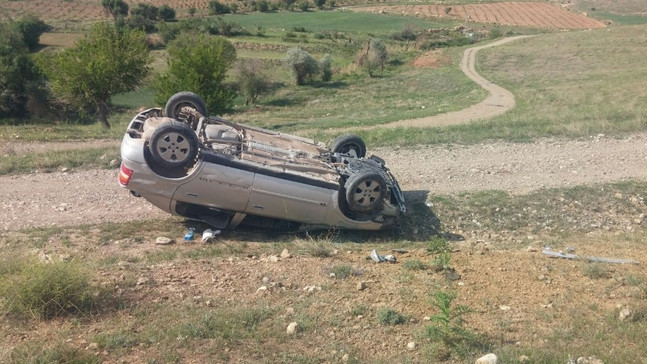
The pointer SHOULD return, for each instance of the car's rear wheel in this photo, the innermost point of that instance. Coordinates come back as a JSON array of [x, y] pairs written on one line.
[[365, 192], [349, 144], [185, 99], [173, 145]]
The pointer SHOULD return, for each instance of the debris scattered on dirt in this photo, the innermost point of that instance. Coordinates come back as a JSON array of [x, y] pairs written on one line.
[[548, 251], [382, 258]]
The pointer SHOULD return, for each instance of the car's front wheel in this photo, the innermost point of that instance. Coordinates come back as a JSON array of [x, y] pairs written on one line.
[[365, 192], [173, 145]]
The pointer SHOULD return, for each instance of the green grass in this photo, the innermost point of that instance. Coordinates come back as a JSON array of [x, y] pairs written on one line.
[[55, 160], [621, 19], [337, 21]]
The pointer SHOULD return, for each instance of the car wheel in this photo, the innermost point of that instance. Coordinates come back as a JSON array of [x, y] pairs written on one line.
[[173, 145], [365, 191], [175, 103], [349, 144]]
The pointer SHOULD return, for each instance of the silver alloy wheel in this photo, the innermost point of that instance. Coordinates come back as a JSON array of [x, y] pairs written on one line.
[[173, 147], [367, 193]]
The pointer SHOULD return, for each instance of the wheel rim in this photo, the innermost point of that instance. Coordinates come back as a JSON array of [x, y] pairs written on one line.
[[180, 110], [348, 147], [173, 147], [367, 193]]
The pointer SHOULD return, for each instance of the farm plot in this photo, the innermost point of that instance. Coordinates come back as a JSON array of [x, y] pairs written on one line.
[[87, 10], [530, 14]]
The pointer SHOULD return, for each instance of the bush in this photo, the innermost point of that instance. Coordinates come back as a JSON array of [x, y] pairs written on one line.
[[262, 6], [414, 265], [387, 316], [199, 63], [216, 8], [325, 64], [39, 290], [31, 28], [342, 271], [304, 5], [251, 80], [302, 65], [320, 3], [146, 11], [167, 13]]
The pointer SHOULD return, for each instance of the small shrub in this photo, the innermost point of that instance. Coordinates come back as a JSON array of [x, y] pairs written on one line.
[[39, 290], [596, 270], [441, 261], [358, 310], [217, 8], [319, 250], [437, 245], [342, 271], [414, 265], [167, 13], [325, 65], [58, 354], [390, 317], [448, 322], [304, 5], [251, 80], [262, 6]]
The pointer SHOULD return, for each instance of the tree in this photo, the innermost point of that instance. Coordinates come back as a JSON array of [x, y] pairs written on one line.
[[302, 65], [107, 61], [116, 8], [199, 63], [31, 28], [21, 84], [217, 8], [375, 56], [320, 3], [147, 11], [251, 80]]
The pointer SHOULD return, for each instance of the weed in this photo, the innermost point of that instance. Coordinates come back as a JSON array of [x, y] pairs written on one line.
[[342, 271], [388, 316], [441, 262], [358, 310], [38, 290], [596, 270], [414, 265], [437, 245], [58, 354], [448, 322]]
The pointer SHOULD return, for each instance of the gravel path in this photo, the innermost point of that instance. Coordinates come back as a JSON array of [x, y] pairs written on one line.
[[44, 199]]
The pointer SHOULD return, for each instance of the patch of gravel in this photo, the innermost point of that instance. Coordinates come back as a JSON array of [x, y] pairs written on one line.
[[72, 198]]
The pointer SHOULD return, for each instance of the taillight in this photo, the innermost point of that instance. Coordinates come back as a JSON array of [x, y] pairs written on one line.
[[124, 175]]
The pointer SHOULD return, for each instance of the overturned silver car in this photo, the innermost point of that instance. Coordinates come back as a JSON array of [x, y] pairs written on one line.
[[226, 174]]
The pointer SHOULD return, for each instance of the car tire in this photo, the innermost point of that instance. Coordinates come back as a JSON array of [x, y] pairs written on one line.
[[348, 143], [173, 145], [365, 191], [182, 99]]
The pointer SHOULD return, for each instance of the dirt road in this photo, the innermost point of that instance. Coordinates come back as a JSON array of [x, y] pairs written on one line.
[[43, 199]]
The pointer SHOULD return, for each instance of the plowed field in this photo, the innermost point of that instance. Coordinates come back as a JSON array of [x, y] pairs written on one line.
[[531, 14], [48, 10]]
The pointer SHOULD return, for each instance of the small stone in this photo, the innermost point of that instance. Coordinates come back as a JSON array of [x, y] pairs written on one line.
[[625, 314], [163, 241], [426, 318], [345, 358], [285, 254], [332, 275], [142, 281], [266, 280], [531, 249], [293, 327], [590, 360], [273, 258], [93, 346], [524, 358], [504, 308], [262, 289], [289, 310], [361, 286], [64, 169], [487, 359], [411, 346]]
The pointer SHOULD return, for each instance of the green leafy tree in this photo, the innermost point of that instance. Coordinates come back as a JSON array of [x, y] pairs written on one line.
[[107, 61], [116, 8], [199, 63], [147, 11], [21, 83], [251, 80], [320, 3], [375, 56], [302, 64], [31, 28], [304, 5]]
